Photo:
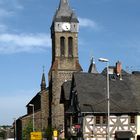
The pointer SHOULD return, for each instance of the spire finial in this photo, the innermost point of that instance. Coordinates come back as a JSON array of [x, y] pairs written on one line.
[[43, 68], [43, 81], [92, 60], [64, 4], [92, 67], [64, 10]]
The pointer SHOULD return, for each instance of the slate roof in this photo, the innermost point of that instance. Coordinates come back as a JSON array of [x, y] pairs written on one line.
[[91, 92], [36, 98], [92, 67], [65, 13]]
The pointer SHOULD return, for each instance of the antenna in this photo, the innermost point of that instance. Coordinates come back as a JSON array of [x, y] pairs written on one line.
[[43, 68], [92, 60]]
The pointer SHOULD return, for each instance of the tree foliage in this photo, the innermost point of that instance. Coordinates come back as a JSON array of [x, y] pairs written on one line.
[[2, 134], [27, 130], [48, 133]]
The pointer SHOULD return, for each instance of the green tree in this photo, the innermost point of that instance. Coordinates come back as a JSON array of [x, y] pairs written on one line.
[[2, 134], [27, 130], [48, 133]]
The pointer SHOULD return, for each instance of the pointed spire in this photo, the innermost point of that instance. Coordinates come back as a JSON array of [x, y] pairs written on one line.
[[43, 81], [65, 13], [92, 67], [64, 5]]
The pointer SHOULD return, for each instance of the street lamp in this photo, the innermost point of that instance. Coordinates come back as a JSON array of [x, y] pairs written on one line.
[[32, 105], [108, 96]]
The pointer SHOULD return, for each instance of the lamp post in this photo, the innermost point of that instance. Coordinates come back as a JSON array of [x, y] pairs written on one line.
[[32, 105], [108, 96]]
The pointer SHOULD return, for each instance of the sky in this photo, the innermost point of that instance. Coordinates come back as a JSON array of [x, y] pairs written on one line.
[[108, 29]]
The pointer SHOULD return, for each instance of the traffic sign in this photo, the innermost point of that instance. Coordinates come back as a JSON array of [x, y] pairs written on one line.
[[55, 133], [36, 135]]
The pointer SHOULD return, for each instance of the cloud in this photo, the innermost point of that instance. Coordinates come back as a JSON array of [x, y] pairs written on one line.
[[3, 28], [9, 8], [14, 43], [84, 22], [5, 13], [10, 3]]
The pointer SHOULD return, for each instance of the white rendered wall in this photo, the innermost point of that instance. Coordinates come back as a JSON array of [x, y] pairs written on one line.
[[138, 125]]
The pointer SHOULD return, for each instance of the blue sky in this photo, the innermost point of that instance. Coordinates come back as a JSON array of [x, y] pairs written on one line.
[[108, 28]]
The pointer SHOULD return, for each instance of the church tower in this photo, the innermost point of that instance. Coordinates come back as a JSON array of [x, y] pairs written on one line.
[[64, 35]]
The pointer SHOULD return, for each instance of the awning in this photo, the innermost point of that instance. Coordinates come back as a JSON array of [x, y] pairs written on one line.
[[124, 134]]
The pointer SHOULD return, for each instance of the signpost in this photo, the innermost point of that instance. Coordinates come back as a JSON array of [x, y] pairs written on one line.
[[36, 135], [55, 134]]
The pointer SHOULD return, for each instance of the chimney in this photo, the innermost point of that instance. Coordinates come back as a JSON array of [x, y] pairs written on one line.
[[119, 69]]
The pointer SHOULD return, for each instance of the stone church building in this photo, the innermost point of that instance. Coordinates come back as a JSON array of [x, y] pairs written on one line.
[[74, 101], [46, 103], [64, 34]]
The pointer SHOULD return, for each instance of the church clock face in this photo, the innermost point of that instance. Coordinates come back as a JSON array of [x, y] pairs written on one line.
[[66, 26]]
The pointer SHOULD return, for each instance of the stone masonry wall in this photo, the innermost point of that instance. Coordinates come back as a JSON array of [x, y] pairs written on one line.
[[44, 108], [37, 121], [58, 109]]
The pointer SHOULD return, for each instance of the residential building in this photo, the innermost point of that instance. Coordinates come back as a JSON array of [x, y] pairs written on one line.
[[85, 101]]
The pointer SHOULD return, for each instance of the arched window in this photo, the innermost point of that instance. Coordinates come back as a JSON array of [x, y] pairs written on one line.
[[70, 46], [62, 46]]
